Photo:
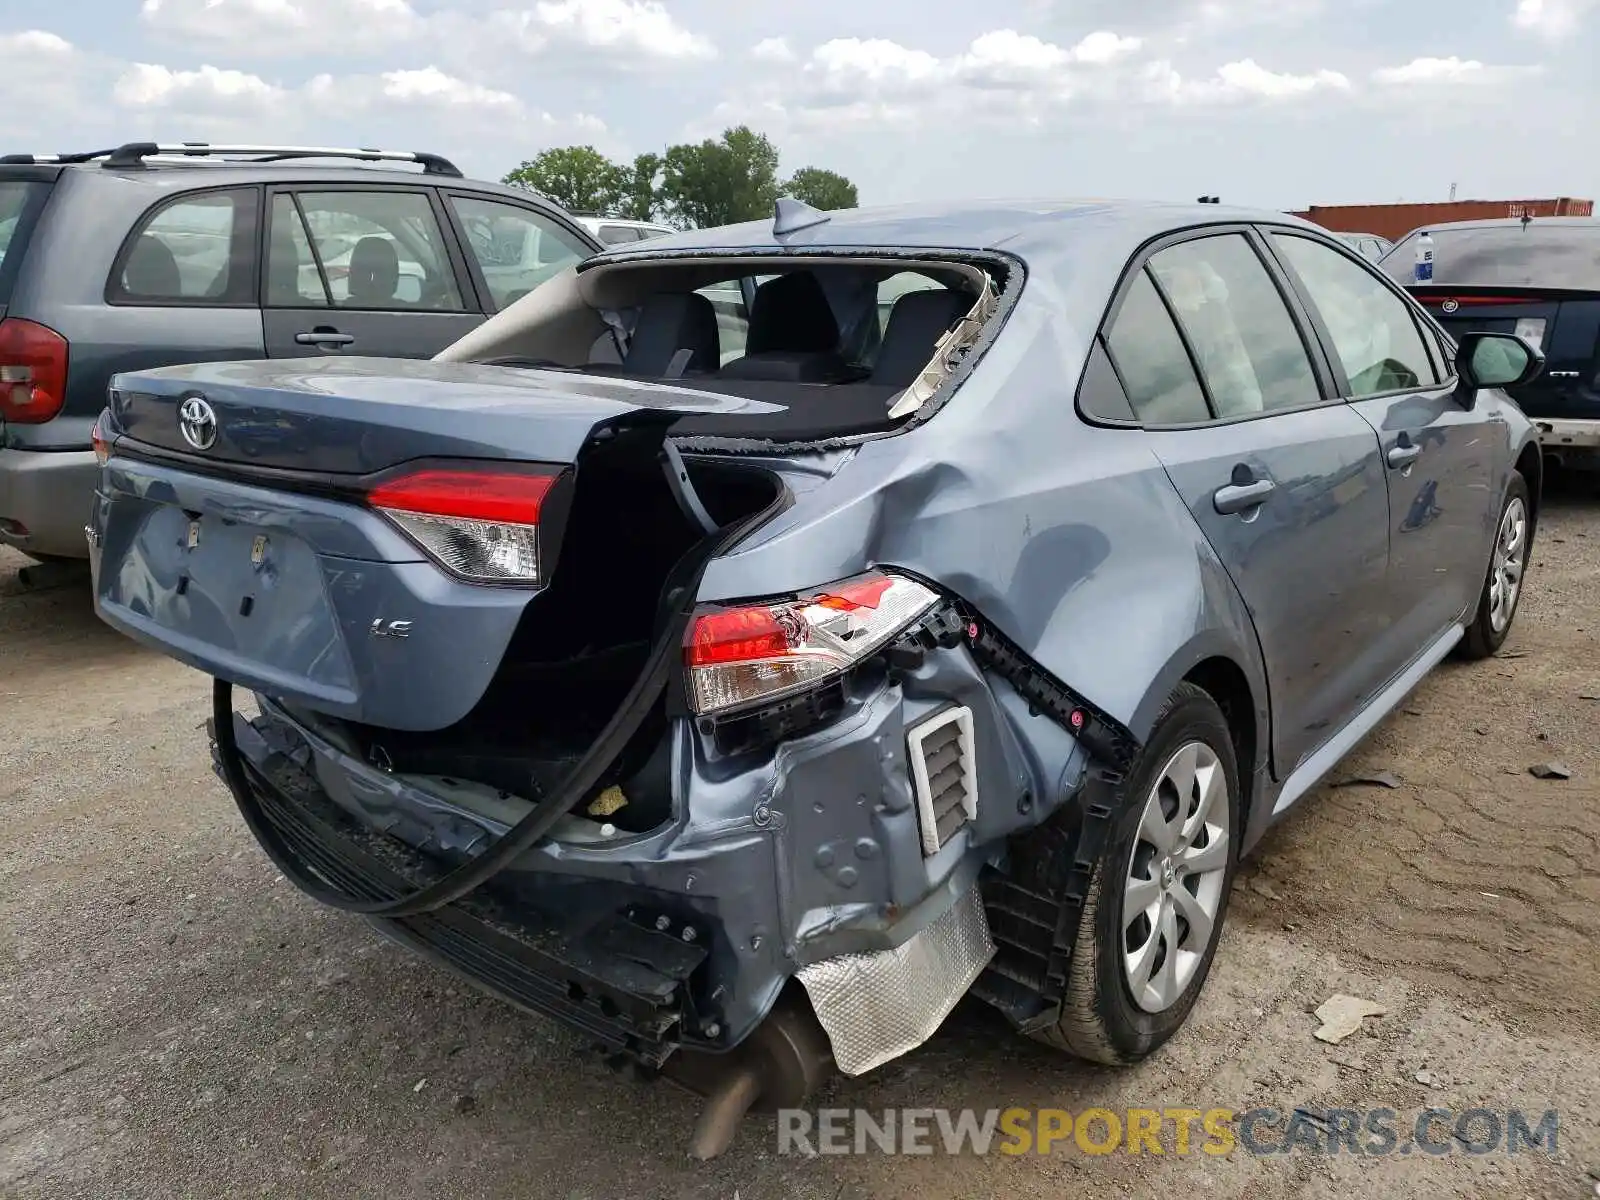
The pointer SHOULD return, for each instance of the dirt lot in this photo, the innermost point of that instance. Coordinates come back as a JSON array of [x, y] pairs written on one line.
[[177, 1021]]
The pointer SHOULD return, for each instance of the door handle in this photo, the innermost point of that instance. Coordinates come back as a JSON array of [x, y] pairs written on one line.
[[1239, 497], [1403, 454], [324, 337]]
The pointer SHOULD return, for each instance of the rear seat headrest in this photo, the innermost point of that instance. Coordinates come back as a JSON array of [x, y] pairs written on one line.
[[916, 323], [792, 313], [669, 322]]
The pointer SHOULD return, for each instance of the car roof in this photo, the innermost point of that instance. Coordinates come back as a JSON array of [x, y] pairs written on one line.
[[1025, 227], [1513, 223]]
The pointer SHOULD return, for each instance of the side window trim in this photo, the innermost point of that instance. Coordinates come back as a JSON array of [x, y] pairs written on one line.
[[1183, 339], [1326, 335], [247, 229], [292, 193], [1305, 321]]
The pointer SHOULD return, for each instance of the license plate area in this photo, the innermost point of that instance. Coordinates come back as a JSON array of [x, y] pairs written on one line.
[[255, 592]]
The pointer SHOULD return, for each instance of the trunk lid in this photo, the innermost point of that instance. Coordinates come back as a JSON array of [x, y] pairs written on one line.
[[357, 416], [1564, 324], [269, 557]]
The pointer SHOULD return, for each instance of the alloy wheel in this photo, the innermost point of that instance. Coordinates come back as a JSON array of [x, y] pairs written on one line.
[[1505, 573], [1176, 873]]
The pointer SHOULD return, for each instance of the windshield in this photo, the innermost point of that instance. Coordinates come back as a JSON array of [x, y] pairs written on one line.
[[15, 209], [1539, 255]]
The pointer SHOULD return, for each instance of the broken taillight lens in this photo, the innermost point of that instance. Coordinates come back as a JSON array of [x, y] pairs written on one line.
[[33, 372], [480, 524], [747, 654]]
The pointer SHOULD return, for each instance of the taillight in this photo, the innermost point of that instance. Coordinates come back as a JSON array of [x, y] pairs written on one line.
[[746, 654], [33, 371], [100, 438], [479, 524]]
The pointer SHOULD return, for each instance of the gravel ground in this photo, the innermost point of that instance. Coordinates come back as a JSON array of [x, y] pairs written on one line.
[[177, 1021]]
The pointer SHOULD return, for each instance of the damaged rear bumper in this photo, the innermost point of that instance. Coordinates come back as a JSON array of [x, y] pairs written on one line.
[[811, 863]]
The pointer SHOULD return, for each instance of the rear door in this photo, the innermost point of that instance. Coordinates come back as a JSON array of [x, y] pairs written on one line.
[[362, 270], [1438, 456], [1285, 481]]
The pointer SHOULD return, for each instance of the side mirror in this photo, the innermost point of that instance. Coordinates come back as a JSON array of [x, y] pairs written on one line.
[[1497, 360]]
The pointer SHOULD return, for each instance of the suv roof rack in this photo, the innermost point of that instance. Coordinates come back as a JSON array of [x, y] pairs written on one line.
[[133, 155]]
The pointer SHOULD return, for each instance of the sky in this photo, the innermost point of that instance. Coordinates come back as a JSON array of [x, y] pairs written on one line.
[[1276, 103]]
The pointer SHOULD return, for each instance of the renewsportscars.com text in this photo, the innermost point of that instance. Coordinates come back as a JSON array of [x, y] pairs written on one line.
[[1167, 1131]]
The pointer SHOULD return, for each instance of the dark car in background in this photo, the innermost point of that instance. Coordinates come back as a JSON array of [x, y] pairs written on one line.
[[1540, 279], [149, 254]]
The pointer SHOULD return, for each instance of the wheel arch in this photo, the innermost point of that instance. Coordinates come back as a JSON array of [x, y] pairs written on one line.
[[1232, 674], [1530, 465]]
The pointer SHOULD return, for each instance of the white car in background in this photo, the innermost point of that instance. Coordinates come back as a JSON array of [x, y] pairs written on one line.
[[612, 231]]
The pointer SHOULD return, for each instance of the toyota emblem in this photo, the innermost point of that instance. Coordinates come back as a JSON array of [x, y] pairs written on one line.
[[197, 421], [1450, 305]]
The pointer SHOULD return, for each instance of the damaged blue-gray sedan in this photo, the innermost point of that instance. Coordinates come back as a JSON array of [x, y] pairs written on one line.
[[752, 641]]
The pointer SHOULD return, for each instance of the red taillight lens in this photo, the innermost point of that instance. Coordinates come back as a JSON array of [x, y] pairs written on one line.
[[512, 498], [480, 524], [752, 653], [735, 635], [33, 371]]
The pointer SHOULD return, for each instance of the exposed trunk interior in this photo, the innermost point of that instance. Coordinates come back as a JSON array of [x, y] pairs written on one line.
[[583, 641]]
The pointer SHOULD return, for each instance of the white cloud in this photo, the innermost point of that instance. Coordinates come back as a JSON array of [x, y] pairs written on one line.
[[1448, 72], [33, 41], [286, 26], [772, 50], [148, 85], [643, 27], [1248, 78], [1551, 18], [432, 86], [1104, 47]]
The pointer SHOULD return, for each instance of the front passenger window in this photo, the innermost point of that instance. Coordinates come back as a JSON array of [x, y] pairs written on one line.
[[1373, 330]]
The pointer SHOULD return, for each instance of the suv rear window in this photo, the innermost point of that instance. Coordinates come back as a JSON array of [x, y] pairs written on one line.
[[19, 201], [1541, 256]]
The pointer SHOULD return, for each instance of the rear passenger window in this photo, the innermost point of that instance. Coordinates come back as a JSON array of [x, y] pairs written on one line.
[[373, 250], [195, 250], [1373, 330], [1249, 350], [1150, 358]]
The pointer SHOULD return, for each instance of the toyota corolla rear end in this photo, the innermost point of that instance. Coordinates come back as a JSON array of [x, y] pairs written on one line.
[[493, 718]]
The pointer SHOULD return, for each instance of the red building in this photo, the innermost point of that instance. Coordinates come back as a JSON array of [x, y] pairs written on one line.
[[1394, 221]]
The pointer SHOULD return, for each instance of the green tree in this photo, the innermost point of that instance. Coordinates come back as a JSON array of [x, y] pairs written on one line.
[[639, 199], [579, 178], [821, 188], [720, 182]]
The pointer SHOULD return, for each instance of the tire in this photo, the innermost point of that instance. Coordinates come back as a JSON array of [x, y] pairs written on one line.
[[1491, 623], [1103, 1019]]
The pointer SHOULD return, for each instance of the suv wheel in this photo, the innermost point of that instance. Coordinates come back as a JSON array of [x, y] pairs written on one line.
[[1508, 564], [1159, 893]]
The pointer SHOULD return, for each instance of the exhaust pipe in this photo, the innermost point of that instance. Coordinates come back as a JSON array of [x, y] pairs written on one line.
[[780, 1065]]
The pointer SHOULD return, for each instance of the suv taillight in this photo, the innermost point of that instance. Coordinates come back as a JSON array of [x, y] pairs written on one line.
[[754, 653], [33, 371], [479, 523]]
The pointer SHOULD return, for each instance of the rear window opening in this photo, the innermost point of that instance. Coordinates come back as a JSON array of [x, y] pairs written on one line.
[[583, 641], [843, 345]]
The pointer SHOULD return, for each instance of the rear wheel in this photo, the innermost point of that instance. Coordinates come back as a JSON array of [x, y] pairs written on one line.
[[1508, 564], [1158, 896]]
